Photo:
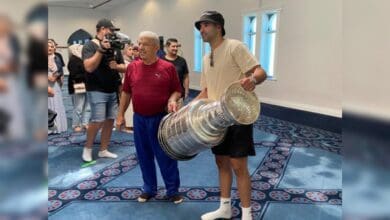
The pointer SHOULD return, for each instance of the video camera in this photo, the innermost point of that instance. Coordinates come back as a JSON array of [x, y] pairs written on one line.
[[118, 40]]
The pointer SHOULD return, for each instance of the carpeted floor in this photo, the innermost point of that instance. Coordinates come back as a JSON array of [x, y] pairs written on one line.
[[296, 174]]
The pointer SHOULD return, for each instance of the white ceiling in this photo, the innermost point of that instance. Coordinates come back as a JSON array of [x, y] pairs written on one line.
[[89, 4]]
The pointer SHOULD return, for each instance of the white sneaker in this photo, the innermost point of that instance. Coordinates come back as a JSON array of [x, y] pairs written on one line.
[[217, 214], [87, 154], [246, 213], [107, 153]]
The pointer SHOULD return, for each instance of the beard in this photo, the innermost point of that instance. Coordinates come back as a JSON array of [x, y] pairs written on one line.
[[205, 38]]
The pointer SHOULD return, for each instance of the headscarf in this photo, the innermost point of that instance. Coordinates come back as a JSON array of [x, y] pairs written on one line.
[[76, 49]]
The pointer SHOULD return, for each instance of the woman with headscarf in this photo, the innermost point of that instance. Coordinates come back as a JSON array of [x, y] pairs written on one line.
[[76, 88], [55, 103]]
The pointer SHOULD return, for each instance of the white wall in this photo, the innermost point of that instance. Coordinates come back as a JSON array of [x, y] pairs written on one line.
[[308, 70], [175, 18], [63, 21], [309, 53], [366, 53]]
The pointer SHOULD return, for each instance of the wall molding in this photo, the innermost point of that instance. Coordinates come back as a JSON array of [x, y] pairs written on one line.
[[304, 107], [298, 113], [311, 119]]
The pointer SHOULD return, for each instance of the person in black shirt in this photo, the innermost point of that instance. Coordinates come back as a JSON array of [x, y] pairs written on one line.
[[102, 64], [180, 64]]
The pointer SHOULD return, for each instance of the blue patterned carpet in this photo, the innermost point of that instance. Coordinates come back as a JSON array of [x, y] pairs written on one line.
[[296, 174]]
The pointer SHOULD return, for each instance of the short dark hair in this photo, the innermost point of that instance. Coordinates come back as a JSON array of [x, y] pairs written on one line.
[[170, 40]]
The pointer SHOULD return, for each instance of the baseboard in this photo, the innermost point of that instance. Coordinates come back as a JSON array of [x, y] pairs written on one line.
[[303, 107], [312, 119], [316, 120]]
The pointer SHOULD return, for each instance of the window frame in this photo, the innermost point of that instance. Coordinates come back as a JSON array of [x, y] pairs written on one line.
[[259, 34], [203, 50], [246, 35], [262, 13]]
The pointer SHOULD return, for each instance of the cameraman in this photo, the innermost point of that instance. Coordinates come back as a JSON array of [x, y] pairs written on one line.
[[102, 64]]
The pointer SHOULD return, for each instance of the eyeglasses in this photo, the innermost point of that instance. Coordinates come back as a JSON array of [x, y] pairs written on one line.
[[212, 59]]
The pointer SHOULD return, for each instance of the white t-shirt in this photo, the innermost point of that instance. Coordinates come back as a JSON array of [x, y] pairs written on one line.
[[232, 60]]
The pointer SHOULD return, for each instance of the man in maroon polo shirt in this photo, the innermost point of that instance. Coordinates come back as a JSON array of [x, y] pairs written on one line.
[[154, 87]]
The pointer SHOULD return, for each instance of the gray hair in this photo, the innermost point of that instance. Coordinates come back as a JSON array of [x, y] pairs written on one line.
[[151, 35]]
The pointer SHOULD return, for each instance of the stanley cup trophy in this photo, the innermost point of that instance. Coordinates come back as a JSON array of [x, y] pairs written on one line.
[[202, 124]]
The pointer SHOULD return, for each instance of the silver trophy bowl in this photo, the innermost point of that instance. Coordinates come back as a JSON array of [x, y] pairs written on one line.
[[202, 124]]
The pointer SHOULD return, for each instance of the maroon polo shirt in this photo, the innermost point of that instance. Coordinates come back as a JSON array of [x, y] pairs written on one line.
[[151, 86]]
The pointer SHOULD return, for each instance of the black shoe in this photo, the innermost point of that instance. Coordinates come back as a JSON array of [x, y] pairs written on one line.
[[144, 197], [177, 199]]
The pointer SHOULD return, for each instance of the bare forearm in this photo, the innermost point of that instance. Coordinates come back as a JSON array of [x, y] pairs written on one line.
[[53, 77], [92, 63], [121, 68], [50, 91], [124, 103], [187, 84], [174, 97]]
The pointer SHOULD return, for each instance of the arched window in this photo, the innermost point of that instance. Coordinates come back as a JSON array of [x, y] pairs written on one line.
[[79, 37]]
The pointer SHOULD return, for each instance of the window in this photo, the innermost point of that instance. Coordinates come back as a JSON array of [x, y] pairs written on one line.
[[200, 49], [250, 32], [269, 31]]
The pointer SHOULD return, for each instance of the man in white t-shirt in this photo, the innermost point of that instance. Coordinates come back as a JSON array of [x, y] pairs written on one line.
[[228, 62]]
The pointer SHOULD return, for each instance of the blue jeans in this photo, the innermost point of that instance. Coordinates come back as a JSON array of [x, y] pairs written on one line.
[[103, 105], [81, 110], [148, 148]]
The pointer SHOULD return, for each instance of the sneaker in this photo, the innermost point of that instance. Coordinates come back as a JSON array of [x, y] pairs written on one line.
[[144, 197], [106, 153], [217, 214], [177, 199], [87, 154]]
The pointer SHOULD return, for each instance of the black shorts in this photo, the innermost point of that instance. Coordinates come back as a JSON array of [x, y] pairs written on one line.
[[238, 142]]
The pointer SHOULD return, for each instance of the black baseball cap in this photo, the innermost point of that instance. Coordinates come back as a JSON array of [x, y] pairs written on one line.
[[107, 24], [213, 17]]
